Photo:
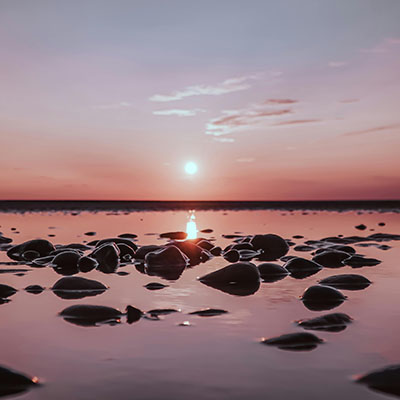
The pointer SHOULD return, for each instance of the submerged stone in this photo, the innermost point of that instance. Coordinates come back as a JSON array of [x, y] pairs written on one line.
[[346, 282], [271, 272], [34, 289], [359, 261], [299, 341], [77, 287], [386, 380], [155, 286], [232, 256], [12, 382], [272, 246], [166, 256], [318, 298], [331, 259], [335, 322], [90, 315], [174, 235], [42, 246], [6, 291], [238, 273], [209, 312]]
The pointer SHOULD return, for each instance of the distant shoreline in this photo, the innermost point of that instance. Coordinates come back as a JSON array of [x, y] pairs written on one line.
[[132, 206]]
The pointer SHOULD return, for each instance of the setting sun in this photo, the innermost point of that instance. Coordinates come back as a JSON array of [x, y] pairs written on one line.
[[191, 168]]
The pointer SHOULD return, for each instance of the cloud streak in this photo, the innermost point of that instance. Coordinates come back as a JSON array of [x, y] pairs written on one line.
[[179, 112], [372, 130], [227, 86]]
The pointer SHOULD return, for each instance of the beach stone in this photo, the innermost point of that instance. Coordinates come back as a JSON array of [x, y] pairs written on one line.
[[161, 311], [30, 255], [335, 322], [232, 256], [238, 273], [125, 252], [216, 251], [107, 255], [91, 233], [77, 283], [195, 253], [386, 380], [381, 224], [5, 240], [6, 290], [42, 246], [356, 261], [174, 235], [155, 286], [304, 247], [272, 246], [346, 282], [86, 264], [298, 341], [207, 230], [143, 250], [331, 259], [67, 259], [89, 315], [361, 227], [319, 298], [205, 244], [34, 289], [128, 235], [268, 270], [167, 256], [209, 312], [133, 314], [12, 382], [128, 242], [299, 264], [243, 246], [248, 255]]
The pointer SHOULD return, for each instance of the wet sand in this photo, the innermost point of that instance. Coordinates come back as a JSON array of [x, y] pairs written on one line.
[[189, 353]]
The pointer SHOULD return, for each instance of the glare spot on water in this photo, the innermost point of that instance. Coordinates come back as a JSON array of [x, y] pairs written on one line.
[[191, 227]]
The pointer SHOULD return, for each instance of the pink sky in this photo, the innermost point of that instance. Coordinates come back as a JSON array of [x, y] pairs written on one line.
[[109, 100]]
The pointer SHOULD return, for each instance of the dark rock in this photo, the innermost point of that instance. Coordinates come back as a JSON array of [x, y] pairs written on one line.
[[128, 242], [154, 314], [238, 273], [297, 236], [331, 259], [381, 224], [107, 255], [346, 282], [299, 341], [155, 286], [42, 246], [318, 298], [195, 253], [143, 250], [174, 235], [272, 246], [12, 382], [86, 264], [5, 240], [41, 262], [335, 322], [90, 315], [303, 248], [74, 246], [361, 227], [166, 256], [216, 251], [232, 256], [243, 246], [383, 237], [6, 291], [128, 235], [66, 263], [248, 255], [77, 288], [208, 312], [91, 233], [271, 272], [126, 253], [133, 314], [34, 289], [356, 261], [386, 380], [205, 244], [30, 255], [207, 230], [301, 268]]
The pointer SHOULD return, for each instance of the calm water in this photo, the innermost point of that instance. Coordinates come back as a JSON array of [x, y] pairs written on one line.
[[217, 357]]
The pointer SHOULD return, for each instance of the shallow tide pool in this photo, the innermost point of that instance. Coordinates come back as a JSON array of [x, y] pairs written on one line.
[[217, 357]]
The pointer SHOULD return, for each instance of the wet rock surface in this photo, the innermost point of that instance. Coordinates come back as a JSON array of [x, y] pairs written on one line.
[[386, 380], [299, 341], [335, 322]]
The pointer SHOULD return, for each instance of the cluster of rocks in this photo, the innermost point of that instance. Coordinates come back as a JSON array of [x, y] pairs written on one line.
[[241, 277]]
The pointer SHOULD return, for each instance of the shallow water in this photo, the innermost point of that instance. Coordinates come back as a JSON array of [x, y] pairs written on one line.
[[216, 357]]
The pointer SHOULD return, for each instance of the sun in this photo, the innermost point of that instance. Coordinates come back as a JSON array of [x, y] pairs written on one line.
[[191, 168]]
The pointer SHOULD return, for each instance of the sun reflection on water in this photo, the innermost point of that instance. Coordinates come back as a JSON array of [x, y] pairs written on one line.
[[191, 227]]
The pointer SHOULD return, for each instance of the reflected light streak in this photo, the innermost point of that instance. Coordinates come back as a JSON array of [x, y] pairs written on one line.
[[191, 227]]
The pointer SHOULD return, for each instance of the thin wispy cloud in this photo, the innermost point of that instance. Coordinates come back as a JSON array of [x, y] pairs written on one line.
[[280, 101], [297, 121], [179, 112], [233, 120], [114, 106], [372, 130], [227, 86]]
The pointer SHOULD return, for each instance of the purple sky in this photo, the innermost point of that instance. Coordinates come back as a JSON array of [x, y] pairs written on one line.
[[274, 100]]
